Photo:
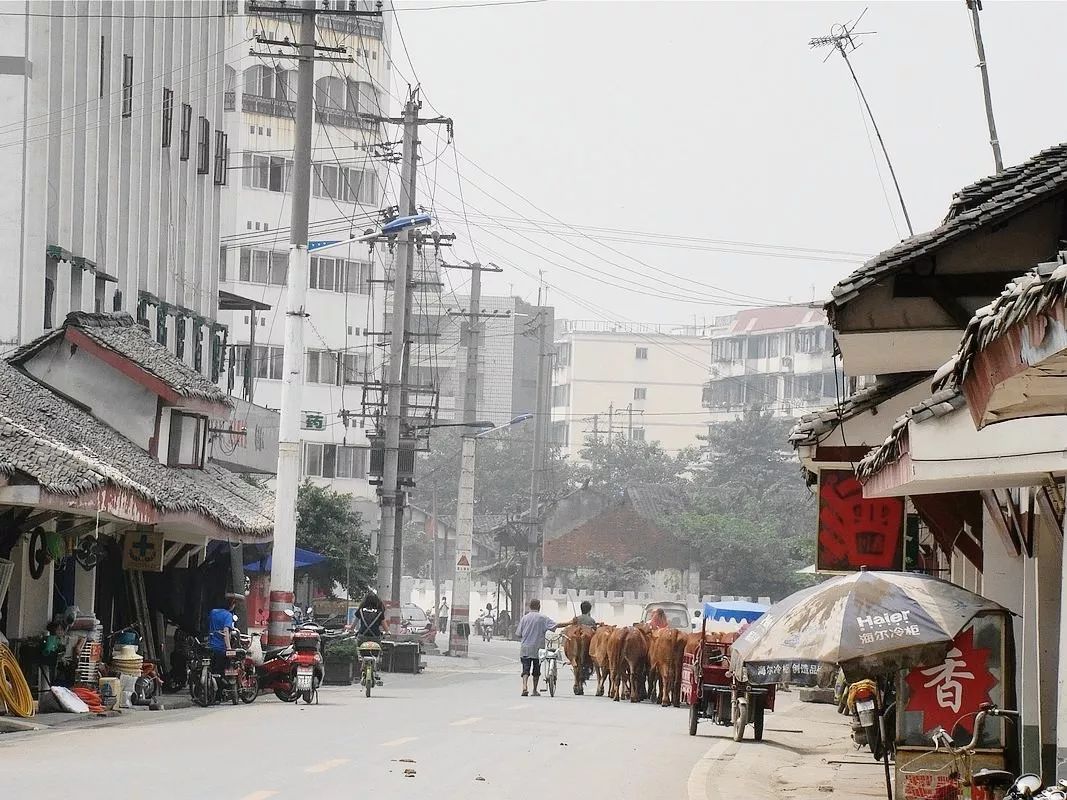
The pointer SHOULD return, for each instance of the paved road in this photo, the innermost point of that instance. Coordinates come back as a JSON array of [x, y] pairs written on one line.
[[455, 724]]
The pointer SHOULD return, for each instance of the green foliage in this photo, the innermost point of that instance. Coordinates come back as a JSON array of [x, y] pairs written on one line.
[[327, 524], [619, 463], [343, 649], [611, 577]]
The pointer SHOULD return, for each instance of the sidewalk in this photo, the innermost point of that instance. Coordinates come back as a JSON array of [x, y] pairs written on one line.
[[60, 719], [806, 753]]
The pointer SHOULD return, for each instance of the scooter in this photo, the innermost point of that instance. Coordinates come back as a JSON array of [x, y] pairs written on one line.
[[296, 670], [487, 625], [865, 701]]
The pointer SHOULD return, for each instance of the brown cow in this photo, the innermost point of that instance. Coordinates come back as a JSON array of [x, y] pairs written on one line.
[[635, 654], [665, 665], [617, 665], [576, 648], [598, 654]]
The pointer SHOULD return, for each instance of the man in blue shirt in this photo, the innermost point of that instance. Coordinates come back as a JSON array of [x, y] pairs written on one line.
[[532, 629], [220, 622]]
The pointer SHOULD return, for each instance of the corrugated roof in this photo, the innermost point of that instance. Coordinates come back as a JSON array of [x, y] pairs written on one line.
[[1024, 297], [938, 404], [68, 451], [120, 333], [815, 426], [984, 202]]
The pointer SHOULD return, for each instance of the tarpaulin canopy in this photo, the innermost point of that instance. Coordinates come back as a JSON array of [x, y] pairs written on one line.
[[734, 611], [304, 558]]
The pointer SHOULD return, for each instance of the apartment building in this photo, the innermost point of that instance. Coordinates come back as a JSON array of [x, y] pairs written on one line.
[[779, 358], [114, 151], [629, 381], [350, 184]]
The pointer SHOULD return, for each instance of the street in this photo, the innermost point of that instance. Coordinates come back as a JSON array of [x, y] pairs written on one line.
[[461, 727]]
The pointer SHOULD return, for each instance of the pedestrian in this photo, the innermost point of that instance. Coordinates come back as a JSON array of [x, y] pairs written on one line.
[[585, 618], [532, 629], [442, 615]]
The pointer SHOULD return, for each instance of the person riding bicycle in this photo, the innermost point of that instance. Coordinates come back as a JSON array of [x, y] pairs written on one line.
[[486, 616], [370, 618]]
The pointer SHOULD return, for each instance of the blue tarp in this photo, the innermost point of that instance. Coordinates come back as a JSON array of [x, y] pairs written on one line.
[[734, 611], [304, 558]]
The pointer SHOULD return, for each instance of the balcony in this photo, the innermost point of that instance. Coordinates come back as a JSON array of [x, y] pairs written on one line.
[[340, 118], [351, 26], [273, 106]]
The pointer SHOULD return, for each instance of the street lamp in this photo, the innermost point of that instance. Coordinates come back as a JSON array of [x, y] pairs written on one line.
[[390, 228]]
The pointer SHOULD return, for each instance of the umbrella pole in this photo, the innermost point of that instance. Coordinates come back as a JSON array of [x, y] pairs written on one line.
[[885, 755]]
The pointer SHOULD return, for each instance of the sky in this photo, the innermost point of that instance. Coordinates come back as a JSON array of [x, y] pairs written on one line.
[[669, 162]]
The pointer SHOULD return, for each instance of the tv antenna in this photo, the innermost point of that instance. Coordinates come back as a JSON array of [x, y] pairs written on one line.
[[843, 40]]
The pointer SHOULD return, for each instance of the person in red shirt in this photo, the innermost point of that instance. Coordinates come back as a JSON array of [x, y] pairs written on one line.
[[659, 619]]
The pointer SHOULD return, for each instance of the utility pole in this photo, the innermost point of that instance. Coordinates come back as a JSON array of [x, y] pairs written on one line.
[[288, 479], [611, 423], [459, 628], [534, 566], [391, 528], [436, 564], [630, 422], [974, 6], [596, 430]]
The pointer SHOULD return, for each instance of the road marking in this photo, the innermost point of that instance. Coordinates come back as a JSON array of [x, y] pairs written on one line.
[[262, 794], [467, 721], [400, 741], [327, 765]]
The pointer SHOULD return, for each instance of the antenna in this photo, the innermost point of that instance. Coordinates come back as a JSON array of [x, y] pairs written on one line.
[[842, 39]]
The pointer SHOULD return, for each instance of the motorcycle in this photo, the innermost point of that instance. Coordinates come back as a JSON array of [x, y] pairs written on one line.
[[238, 679], [865, 701], [487, 625], [296, 670]]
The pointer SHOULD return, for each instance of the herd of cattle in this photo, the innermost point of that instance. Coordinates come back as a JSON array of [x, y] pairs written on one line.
[[636, 662]]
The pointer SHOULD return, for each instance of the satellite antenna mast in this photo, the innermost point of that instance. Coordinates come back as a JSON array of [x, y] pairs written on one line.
[[842, 39]]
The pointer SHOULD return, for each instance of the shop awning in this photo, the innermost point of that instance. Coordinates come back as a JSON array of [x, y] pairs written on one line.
[[304, 558]]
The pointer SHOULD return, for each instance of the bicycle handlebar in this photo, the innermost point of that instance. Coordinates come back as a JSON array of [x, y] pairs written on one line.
[[941, 736]]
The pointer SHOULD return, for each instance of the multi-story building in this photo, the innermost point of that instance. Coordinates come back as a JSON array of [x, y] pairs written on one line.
[[632, 381], [779, 358], [114, 151], [349, 188]]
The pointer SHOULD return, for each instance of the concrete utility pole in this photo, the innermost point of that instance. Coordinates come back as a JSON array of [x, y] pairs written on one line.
[[534, 566], [284, 551], [974, 6], [392, 494], [630, 422], [459, 628]]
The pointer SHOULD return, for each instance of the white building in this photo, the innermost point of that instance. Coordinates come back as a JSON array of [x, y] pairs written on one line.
[[113, 151], [345, 309], [777, 357], [636, 381]]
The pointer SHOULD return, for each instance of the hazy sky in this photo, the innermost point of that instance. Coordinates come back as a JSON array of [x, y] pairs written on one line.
[[714, 121]]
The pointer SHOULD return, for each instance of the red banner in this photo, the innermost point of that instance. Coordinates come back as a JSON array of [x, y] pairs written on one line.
[[857, 531]]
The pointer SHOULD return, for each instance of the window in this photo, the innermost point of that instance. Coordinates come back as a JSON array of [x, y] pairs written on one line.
[[563, 355], [334, 461], [222, 264], [263, 266], [351, 368], [267, 172], [49, 297], [638, 435], [339, 275], [560, 432], [222, 157], [561, 395], [331, 94], [102, 72], [640, 393], [188, 433], [187, 127], [127, 86], [345, 184], [229, 96], [168, 115], [321, 366], [262, 362], [641, 354], [262, 81], [203, 147]]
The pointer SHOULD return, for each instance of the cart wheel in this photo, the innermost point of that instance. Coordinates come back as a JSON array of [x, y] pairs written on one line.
[[757, 723], [694, 718], [740, 721]]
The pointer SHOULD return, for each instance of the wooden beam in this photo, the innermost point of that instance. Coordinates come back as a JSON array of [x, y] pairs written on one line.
[[39, 518], [965, 284]]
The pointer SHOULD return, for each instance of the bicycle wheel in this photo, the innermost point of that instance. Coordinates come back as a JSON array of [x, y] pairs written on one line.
[[552, 684], [368, 680]]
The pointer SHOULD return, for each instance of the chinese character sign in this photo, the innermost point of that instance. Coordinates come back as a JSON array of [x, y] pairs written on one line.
[[948, 694], [857, 531]]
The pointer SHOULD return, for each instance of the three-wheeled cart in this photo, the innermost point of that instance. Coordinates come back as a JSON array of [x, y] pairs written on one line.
[[714, 694]]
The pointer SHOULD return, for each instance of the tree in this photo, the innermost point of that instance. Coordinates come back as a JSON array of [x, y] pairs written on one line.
[[617, 463], [749, 513], [610, 577], [326, 524]]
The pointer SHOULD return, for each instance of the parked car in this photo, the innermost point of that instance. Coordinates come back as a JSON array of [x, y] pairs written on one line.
[[414, 621], [677, 614]]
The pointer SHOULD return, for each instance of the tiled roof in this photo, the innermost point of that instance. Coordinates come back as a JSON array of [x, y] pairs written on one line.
[[624, 530], [938, 404], [813, 427], [68, 451], [120, 333], [982, 203], [772, 318], [1022, 298]]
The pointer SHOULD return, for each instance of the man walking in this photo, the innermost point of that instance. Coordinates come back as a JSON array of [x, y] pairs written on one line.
[[532, 629]]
